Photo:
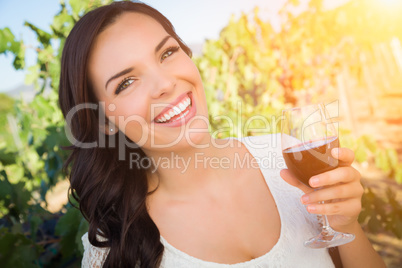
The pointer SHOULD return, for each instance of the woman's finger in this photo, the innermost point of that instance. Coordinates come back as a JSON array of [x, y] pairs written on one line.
[[344, 155], [348, 208], [292, 180], [341, 191], [335, 176]]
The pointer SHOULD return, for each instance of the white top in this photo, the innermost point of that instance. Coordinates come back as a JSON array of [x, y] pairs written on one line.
[[297, 225]]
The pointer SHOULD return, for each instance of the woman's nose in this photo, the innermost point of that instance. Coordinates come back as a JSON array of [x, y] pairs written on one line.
[[163, 83]]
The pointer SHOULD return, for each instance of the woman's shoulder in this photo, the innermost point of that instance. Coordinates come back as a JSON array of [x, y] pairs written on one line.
[[93, 256], [263, 141], [263, 145]]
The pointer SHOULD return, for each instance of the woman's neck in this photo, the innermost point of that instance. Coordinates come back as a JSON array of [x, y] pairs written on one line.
[[183, 173]]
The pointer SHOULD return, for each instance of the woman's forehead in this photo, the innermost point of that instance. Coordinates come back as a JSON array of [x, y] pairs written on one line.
[[130, 31], [134, 22]]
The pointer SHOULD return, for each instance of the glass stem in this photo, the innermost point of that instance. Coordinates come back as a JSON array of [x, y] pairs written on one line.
[[325, 225], [326, 229]]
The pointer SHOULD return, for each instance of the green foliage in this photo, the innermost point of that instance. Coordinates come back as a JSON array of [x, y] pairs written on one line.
[[14, 196], [241, 79], [259, 70], [71, 227], [31, 157], [368, 150], [16, 250], [8, 44], [6, 110], [381, 213]]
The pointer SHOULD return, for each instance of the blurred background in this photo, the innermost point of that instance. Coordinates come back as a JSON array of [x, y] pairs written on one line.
[[257, 56]]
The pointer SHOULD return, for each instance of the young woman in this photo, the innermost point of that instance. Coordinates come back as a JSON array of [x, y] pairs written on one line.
[[156, 188]]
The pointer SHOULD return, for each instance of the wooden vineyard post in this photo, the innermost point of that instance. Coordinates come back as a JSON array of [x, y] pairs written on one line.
[[397, 52], [390, 64], [346, 111], [372, 96], [381, 67]]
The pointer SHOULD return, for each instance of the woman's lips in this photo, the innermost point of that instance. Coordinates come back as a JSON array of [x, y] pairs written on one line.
[[178, 112]]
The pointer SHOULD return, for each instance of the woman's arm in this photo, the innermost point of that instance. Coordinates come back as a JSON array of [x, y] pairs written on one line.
[[342, 191], [359, 252]]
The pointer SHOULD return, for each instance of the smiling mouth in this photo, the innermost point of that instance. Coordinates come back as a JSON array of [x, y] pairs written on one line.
[[175, 113]]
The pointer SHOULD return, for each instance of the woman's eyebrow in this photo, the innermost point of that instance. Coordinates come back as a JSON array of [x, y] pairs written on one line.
[[160, 45], [125, 71]]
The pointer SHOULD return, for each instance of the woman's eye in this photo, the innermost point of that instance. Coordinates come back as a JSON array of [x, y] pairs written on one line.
[[169, 52], [123, 85]]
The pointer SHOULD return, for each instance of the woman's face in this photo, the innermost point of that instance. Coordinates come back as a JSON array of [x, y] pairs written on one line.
[[151, 89]]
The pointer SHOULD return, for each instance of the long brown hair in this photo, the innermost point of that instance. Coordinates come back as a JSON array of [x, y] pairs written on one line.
[[111, 194]]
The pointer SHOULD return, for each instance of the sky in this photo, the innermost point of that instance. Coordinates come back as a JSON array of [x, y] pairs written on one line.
[[193, 20]]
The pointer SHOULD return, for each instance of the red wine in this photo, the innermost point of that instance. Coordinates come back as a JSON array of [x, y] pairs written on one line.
[[311, 158]]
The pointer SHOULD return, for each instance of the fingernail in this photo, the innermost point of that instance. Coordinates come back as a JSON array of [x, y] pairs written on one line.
[[314, 181], [305, 199], [335, 152], [312, 208]]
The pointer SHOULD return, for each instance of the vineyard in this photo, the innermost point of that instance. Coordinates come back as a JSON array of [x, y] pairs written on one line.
[[375, 110], [350, 56]]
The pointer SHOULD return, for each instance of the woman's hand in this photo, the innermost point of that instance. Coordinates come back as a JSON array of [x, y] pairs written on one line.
[[339, 188]]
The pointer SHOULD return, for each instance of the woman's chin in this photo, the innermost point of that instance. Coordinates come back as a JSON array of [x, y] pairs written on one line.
[[184, 142]]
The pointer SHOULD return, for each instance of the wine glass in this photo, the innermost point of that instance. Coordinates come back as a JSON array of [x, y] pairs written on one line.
[[308, 136]]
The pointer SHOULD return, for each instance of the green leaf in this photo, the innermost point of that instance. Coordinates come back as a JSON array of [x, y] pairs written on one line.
[[77, 6], [45, 56], [7, 158], [54, 72], [67, 228], [82, 229], [5, 193], [32, 75], [62, 23], [17, 251], [360, 153], [6, 39], [370, 143], [8, 43], [392, 157], [3, 42], [21, 196], [19, 60], [43, 37], [17, 228], [381, 161], [34, 221]]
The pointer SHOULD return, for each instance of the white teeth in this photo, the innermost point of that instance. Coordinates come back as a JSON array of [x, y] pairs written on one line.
[[176, 110], [180, 117]]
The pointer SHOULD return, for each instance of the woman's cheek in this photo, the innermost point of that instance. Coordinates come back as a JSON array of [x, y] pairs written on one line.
[[136, 129], [131, 112]]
